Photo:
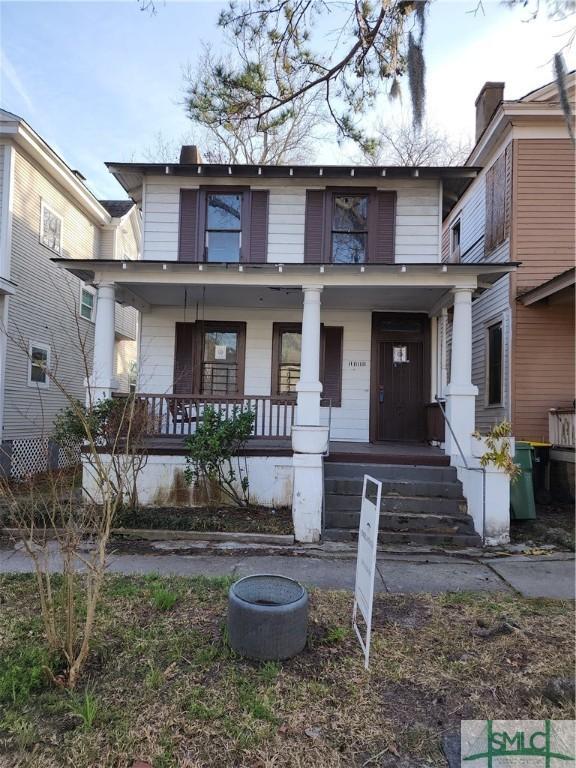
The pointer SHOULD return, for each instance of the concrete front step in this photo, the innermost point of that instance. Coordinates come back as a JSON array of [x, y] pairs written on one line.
[[404, 522], [390, 472], [353, 487], [425, 505], [415, 538]]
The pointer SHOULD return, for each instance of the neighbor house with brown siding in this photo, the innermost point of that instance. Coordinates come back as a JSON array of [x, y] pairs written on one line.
[[47, 315], [521, 208]]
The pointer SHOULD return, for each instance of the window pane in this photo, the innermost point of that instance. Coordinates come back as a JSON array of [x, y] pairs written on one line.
[[219, 379], [223, 246], [223, 211], [39, 361], [51, 227], [348, 249], [288, 377], [219, 367], [290, 347], [495, 365], [350, 213], [220, 346]]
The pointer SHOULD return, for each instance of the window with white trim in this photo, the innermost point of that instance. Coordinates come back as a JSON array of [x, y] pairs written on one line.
[[50, 228], [87, 302], [38, 364]]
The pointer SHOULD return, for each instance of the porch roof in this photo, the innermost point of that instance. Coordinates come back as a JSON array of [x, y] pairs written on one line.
[[415, 287]]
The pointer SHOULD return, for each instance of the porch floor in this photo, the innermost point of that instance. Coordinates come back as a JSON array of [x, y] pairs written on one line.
[[419, 454]]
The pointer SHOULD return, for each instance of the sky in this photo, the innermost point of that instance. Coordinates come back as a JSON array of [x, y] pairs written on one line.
[[100, 80]]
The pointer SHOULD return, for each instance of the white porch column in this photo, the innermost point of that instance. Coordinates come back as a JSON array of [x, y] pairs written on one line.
[[309, 439], [460, 392], [309, 386], [102, 379]]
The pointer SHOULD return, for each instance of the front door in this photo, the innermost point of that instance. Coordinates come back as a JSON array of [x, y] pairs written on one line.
[[399, 358]]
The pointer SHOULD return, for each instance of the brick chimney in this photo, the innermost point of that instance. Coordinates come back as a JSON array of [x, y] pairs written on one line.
[[190, 155], [488, 99]]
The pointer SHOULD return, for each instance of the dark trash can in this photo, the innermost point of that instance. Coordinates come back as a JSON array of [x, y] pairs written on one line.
[[522, 489], [267, 617], [541, 471]]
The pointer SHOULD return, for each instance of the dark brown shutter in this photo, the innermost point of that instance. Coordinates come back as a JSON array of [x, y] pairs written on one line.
[[258, 249], [332, 365], [508, 191], [489, 204], [314, 226], [381, 227], [188, 233], [184, 359]]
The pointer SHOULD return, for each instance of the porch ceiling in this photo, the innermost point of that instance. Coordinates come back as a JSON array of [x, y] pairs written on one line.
[[408, 298]]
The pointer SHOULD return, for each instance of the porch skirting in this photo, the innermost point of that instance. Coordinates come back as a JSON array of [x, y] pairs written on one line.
[[161, 482]]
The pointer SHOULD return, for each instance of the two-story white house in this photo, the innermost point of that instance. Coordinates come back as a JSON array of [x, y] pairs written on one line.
[[310, 294], [47, 315]]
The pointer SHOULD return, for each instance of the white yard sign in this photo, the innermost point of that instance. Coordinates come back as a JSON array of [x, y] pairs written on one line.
[[366, 560]]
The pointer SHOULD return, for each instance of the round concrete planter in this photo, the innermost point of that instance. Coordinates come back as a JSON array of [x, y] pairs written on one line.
[[310, 439], [267, 617]]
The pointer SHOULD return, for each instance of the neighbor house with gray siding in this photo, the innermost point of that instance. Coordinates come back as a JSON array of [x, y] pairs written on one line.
[[47, 314]]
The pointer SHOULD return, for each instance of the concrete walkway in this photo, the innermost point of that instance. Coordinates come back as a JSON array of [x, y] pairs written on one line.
[[537, 576]]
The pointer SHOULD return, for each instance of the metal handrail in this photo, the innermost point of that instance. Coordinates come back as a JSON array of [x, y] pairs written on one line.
[[467, 466]]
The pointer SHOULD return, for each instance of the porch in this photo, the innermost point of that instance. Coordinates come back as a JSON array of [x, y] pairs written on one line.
[[338, 363]]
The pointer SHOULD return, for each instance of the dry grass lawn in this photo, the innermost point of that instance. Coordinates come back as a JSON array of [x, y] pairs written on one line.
[[162, 685]]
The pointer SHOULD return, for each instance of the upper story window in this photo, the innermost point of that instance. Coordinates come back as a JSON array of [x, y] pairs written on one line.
[[455, 242], [223, 226], [349, 226], [87, 302], [498, 200], [50, 228], [350, 229], [38, 363]]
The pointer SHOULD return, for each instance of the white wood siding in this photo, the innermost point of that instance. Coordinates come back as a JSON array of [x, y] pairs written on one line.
[[417, 218], [44, 306], [349, 422]]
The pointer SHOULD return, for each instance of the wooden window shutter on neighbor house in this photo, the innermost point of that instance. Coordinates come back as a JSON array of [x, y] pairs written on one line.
[[381, 228], [332, 364], [314, 226], [258, 246], [184, 358], [188, 234]]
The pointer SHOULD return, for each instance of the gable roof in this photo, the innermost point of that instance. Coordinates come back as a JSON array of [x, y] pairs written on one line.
[[18, 130]]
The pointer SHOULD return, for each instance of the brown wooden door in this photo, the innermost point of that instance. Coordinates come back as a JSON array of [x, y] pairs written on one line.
[[400, 402], [400, 376]]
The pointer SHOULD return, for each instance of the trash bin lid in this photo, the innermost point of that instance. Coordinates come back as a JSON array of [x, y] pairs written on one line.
[[536, 444]]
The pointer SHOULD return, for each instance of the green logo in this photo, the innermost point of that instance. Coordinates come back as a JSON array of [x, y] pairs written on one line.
[[537, 742]]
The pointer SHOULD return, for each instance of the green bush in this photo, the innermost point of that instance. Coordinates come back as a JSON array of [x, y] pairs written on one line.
[[213, 453]]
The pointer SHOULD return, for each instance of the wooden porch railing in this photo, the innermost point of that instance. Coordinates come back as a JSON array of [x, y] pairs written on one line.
[[180, 415], [562, 427]]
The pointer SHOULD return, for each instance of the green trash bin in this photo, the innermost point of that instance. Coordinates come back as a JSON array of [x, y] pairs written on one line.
[[522, 489]]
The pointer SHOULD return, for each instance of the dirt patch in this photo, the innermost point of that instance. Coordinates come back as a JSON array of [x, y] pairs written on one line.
[[222, 519], [554, 525], [408, 612]]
